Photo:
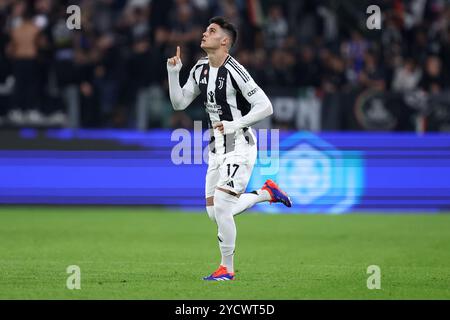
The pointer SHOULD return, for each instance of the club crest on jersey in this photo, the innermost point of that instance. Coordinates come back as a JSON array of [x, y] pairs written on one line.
[[221, 82]]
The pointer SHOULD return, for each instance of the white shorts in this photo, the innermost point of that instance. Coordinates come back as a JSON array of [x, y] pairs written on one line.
[[230, 171]]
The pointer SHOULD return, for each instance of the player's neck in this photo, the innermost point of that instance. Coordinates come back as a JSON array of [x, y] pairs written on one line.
[[217, 58]]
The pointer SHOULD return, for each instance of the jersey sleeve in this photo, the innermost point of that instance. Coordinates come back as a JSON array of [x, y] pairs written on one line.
[[260, 103], [191, 84], [181, 98]]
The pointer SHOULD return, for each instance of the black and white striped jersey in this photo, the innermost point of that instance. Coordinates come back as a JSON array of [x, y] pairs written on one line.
[[228, 93]]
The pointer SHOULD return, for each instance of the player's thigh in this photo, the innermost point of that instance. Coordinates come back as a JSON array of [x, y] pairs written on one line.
[[212, 176], [236, 170]]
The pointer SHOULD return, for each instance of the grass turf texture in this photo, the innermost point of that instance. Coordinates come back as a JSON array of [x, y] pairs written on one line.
[[143, 253]]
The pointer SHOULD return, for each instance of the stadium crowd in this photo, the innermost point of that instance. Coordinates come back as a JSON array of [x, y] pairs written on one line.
[[112, 72]]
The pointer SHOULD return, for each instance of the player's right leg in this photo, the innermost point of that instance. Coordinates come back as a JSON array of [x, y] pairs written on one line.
[[269, 192]]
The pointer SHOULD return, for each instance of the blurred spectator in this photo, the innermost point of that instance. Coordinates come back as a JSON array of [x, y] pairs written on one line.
[[112, 72], [258, 64], [185, 30], [85, 58], [420, 45], [107, 76], [354, 51], [373, 74], [43, 10], [281, 72], [433, 79], [276, 28], [407, 76], [139, 13], [308, 68], [145, 66], [64, 68], [333, 76], [23, 50], [6, 79]]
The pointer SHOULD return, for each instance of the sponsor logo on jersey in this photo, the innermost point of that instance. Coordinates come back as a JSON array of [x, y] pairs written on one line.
[[211, 96], [211, 105], [213, 108], [252, 92], [203, 81]]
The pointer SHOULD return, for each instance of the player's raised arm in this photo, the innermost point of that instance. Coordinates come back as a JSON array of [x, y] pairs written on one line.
[[180, 97]]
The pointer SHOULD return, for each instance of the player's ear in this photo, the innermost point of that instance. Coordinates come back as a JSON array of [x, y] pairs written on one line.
[[225, 42]]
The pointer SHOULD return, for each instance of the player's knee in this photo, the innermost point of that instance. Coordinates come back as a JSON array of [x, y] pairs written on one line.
[[223, 202]]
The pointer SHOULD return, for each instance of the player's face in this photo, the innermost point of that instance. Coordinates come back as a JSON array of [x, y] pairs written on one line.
[[213, 38]]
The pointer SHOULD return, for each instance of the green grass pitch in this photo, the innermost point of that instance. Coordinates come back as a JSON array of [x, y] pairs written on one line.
[[147, 253]]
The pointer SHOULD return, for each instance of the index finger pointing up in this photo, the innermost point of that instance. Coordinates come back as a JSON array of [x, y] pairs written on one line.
[[178, 52]]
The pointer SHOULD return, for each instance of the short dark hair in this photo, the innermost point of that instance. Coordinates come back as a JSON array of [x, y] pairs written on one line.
[[229, 28]]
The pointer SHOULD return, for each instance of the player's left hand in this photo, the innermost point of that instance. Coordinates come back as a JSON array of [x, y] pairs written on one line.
[[225, 127]]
